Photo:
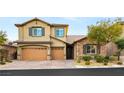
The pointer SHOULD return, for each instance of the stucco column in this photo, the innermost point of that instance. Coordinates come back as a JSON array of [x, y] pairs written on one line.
[[49, 53], [65, 52], [77, 52], [19, 53]]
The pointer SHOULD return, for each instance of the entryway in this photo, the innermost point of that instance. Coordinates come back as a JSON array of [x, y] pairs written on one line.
[[69, 51]]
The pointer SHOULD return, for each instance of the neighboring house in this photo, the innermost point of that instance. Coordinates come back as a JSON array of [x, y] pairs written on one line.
[[12, 50], [40, 40]]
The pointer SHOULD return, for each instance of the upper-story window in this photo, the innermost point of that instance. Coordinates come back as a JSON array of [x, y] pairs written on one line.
[[59, 32], [36, 31]]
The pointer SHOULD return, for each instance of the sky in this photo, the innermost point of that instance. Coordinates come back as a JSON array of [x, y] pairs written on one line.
[[77, 25]]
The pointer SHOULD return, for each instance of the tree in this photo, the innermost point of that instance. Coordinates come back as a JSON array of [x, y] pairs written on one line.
[[3, 37], [96, 35], [3, 52], [120, 45], [104, 32], [113, 30]]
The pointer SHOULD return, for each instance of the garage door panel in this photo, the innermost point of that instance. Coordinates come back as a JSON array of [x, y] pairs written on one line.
[[34, 53], [57, 53]]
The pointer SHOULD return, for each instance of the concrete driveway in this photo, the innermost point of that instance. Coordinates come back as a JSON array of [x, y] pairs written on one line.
[[38, 64]]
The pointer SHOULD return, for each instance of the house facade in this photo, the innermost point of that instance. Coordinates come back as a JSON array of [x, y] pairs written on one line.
[[40, 40]]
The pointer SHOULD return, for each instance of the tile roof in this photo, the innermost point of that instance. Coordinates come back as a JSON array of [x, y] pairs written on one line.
[[37, 19], [73, 38]]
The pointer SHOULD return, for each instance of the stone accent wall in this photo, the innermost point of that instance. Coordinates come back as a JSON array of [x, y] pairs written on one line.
[[108, 49], [78, 47]]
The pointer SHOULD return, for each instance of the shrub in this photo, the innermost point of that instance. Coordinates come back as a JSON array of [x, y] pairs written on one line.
[[105, 63], [86, 58], [113, 58], [2, 63], [119, 63], [87, 63], [107, 57], [99, 58]]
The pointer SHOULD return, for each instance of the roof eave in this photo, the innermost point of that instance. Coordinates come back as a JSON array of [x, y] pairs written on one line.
[[57, 25], [32, 42], [80, 39]]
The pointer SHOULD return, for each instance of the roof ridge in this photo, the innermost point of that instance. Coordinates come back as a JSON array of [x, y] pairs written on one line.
[[51, 24]]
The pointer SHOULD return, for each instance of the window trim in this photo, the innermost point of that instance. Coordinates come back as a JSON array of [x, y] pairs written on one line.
[[32, 33], [90, 49], [56, 32]]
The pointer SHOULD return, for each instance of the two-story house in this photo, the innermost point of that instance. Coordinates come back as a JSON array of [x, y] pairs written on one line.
[[39, 40]]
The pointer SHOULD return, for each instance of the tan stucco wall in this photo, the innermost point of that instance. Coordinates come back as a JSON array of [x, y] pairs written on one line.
[[57, 43], [24, 32], [65, 32]]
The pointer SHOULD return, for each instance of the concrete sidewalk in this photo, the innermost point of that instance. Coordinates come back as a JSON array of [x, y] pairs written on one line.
[[53, 64]]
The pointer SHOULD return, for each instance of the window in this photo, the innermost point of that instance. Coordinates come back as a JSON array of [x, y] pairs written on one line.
[[89, 49], [36, 31], [59, 32]]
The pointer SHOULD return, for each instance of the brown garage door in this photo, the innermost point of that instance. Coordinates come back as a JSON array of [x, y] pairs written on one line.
[[34, 54], [57, 53]]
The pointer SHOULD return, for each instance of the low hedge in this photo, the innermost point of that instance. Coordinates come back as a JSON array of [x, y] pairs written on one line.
[[86, 58]]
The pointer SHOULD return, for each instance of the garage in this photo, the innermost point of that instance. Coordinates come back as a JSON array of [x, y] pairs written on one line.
[[34, 54], [57, 53]]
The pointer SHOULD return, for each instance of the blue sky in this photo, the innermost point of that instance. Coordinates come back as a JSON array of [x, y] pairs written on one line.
[[77, 25]]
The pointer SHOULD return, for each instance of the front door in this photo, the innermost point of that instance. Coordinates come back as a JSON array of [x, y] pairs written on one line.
[[70, 52]]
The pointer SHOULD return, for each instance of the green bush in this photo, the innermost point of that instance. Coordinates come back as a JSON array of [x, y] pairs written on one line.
[[113, 58], [87, 63], [107, 57], [105, 63], [2, 63], [99, 58], [119, 63], [86, 58]]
